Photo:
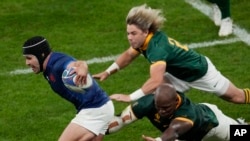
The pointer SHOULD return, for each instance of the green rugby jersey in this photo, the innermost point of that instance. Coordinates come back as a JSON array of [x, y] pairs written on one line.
[[182, 62], [202, 117]]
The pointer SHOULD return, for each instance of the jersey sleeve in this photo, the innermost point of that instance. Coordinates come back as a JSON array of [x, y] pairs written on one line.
[[143, 106]]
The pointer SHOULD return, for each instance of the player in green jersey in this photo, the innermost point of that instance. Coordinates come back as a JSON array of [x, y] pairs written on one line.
[[182, 66], [176, 117]]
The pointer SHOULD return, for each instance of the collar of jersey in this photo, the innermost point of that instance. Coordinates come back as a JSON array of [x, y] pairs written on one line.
[[145, 45], [178, 102]]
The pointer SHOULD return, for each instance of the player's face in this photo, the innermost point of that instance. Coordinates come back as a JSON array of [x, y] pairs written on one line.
[[32, 62], [165, 109], [136, 36]]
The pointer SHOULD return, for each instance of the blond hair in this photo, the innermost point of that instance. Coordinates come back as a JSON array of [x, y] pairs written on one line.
[[146, 18]]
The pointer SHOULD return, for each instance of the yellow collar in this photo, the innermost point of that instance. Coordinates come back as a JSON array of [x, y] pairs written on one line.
[[148, 38], [179, 101]]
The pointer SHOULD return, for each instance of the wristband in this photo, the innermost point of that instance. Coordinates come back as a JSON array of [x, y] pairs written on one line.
[[113, 67], [158, 139], [136, 95]]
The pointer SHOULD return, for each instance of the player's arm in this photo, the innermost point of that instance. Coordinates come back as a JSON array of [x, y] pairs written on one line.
[[81, 69], [177, 127], [121, 62], [157, 71], [126, 58]]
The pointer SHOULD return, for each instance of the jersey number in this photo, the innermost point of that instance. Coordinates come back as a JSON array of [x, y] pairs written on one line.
[[176, 43]]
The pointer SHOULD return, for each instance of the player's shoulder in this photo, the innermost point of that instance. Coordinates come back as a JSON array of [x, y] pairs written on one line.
[[59, 54], [145, 101], [59, 60]]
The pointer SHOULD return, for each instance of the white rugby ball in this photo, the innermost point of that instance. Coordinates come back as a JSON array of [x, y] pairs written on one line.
[[68, 79]]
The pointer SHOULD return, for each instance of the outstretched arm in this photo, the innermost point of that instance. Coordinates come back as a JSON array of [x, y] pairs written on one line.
[[157, 72], [121, 62], [176, 128]]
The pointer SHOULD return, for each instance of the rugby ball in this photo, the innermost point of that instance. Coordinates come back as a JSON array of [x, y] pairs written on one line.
[[68, 79]]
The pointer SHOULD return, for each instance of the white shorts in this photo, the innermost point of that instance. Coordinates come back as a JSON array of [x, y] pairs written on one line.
[[95, 120], [222, 131], [213, 81]]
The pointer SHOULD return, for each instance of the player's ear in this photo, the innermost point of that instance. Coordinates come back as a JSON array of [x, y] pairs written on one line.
[[146, 32]]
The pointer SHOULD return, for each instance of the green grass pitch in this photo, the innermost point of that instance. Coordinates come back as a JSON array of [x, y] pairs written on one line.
[[30, 111]]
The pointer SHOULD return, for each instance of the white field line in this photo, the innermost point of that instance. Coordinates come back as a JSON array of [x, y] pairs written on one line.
[[113, 57], [242, 34], [213, 43]]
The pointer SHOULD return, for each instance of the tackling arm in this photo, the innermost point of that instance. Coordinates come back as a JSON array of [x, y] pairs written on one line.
[[157, 71], [127, 57], [121, 62], [176, 128]]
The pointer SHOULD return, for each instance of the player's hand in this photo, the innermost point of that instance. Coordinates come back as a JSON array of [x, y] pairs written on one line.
[[101, 76], [120, 97], [146, 138], [81, 69], [81, 76]]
